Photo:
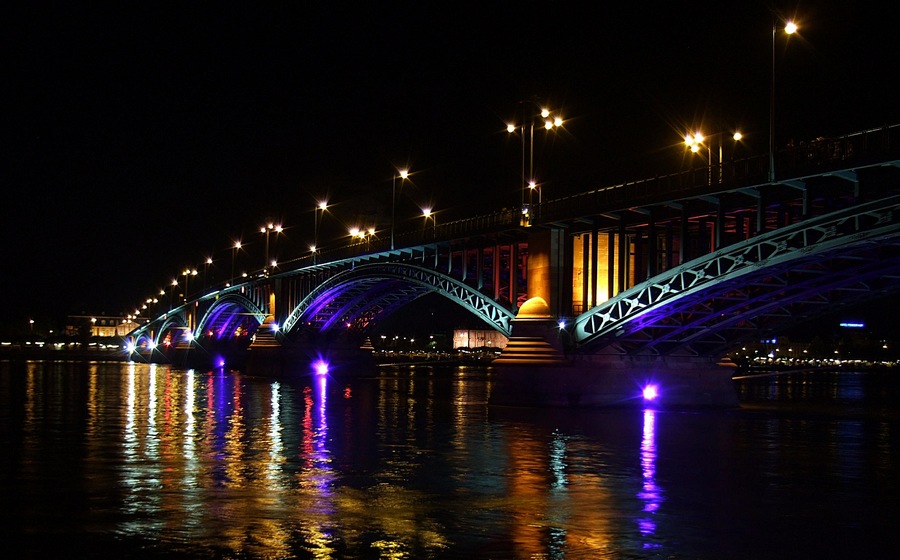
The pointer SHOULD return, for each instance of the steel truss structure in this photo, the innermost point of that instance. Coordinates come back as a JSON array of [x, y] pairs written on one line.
[[755, 287], [355, 297]]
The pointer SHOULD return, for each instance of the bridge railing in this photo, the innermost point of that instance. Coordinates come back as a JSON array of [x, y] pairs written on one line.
[[807, 158]]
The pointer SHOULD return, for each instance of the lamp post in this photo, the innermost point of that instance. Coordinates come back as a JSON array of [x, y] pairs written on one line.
[[188, 272], [234, 250], [789, 28], [695, 142], [403, 174], [426, 214], [206, 264], [265, 230], [549, 122], [532, 186], [172, 293], [321, 206]]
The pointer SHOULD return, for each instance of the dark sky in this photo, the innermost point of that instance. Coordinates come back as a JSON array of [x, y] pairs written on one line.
[[140, 138]]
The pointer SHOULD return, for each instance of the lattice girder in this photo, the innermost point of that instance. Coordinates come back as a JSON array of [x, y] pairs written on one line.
[[424, 280], [765, 256]]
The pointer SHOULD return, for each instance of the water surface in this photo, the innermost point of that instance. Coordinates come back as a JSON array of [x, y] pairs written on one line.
[[135, 460]]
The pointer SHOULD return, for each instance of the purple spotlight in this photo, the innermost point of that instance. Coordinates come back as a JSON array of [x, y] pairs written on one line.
[[650, 392], [320, 367]]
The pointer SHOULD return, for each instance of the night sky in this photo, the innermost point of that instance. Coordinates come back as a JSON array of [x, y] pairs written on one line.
[[140, 138]]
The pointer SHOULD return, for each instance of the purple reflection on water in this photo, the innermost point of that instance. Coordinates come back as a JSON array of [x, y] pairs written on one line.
[[650, 493]]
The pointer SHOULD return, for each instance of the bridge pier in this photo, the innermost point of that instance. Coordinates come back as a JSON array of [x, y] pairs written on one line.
[[535, 369]]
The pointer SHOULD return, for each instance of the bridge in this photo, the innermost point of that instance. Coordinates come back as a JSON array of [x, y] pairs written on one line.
[[601, 293]]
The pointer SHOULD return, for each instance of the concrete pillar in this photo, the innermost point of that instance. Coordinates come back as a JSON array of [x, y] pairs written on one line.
[[546, 263]]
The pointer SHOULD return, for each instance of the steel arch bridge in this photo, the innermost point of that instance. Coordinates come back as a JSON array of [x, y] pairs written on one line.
[[755, 287], [360, 295], [701, 277], [350, 295]]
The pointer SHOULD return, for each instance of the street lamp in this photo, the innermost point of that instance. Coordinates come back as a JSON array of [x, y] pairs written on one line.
[[265, 230], [188, 272], [695, 142], [234, 250], [426, 214], [532, 186], [789, 28], [321, 206], [403, 174], [206, 264], [172, 293], [549, 122]]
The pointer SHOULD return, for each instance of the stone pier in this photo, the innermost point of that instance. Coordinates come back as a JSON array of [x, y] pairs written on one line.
[[535, 369]]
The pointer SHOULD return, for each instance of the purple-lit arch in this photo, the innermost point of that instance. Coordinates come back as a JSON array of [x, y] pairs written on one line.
[[229, 314], [366, 293]]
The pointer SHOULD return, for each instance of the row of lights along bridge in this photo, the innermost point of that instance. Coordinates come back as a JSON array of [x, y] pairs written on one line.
[[531, 114], [356, 235]]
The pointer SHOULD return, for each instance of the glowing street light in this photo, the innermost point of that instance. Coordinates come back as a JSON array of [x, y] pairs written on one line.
[[532, 186], [789, 28], [549, 122], [172, 293], [234, 250], [206, 264], [697, 141], [321, 206], [402, 174], [426, 214], [187, 273], [265, 230]]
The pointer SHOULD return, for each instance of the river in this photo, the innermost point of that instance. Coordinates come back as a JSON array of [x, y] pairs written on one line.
[[121, 460]]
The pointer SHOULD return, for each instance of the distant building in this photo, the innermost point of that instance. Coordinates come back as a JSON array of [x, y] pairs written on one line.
[[100, 326], [472, 338]]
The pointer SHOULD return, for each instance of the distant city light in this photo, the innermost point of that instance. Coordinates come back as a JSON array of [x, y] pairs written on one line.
[[852, 325]]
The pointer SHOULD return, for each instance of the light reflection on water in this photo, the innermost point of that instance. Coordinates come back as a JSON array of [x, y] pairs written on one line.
[[147, 460]]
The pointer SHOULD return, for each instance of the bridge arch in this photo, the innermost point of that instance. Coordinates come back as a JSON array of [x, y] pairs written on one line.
[[360, 295], [149, 337], [755, 287], [230, 315]]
